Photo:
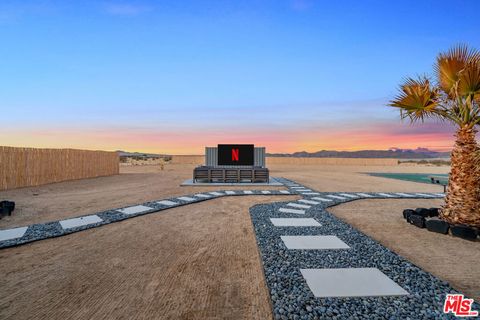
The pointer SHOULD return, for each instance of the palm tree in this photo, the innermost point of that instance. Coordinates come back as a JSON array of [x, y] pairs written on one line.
[[454, 97]]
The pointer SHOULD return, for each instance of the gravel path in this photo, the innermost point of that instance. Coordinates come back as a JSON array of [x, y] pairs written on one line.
[[53, 229], [290, 294]]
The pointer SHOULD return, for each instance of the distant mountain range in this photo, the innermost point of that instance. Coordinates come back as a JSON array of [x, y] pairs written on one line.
[[139, 154], [397, 153]]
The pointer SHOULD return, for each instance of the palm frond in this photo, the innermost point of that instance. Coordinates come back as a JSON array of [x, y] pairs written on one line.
[[417, 100], [450, 65], [469, 80]]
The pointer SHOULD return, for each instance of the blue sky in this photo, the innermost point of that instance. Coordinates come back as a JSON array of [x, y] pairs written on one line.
[[176, 75]]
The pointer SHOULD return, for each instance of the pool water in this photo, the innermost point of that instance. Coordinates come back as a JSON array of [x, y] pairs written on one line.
[[415, 177]]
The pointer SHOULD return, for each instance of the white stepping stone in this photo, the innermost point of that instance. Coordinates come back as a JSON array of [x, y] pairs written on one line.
[[349, 195], [230, 192], [266, 192], [201, 195], [425, 195], [135, 209], [287, 210], [314, 242], [78, 222], [14, 233], [336, 197], [308, 201], [297, 205], [304, 190], [187, 199], [322, 199], [284, 191], [404, 194], [215, 193], [248, 192], [350, 282], [311, 193], [298, 187], [167, 203], [440, 194], [295, 222], [385, 195], [365, 195]]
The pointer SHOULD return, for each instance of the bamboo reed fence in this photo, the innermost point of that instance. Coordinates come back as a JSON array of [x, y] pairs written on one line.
[[25, 167]]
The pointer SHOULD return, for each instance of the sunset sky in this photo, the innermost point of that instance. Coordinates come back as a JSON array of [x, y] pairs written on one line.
[[175, 76]]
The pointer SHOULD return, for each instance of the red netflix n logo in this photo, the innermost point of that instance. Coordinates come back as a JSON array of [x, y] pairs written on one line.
[[235, 154]]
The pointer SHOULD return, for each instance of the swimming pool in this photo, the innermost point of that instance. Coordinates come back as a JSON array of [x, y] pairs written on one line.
[[414, 177]]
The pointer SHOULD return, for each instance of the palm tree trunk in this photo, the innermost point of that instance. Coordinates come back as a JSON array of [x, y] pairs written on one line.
[[462, 202]]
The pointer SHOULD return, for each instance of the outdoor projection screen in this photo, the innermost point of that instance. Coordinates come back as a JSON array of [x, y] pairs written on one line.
[[235, 154]]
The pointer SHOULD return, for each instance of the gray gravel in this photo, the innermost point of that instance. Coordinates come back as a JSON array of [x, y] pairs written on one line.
[[291, 297]]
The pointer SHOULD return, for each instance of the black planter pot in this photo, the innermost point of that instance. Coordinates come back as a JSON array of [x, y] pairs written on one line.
[[437, 225], [424, 212], [407, 213], [5, 211], [434, 212], [417, 220], [6, 207], [464, 232]]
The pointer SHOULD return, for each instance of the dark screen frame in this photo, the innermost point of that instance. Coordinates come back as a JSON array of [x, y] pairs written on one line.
[[246, 154]]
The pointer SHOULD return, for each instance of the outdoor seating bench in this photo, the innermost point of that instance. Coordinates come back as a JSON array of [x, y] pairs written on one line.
[[229, 174]]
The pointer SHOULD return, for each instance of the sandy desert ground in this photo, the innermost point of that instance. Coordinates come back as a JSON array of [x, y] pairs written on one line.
[[197, 261], [137, 184]]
